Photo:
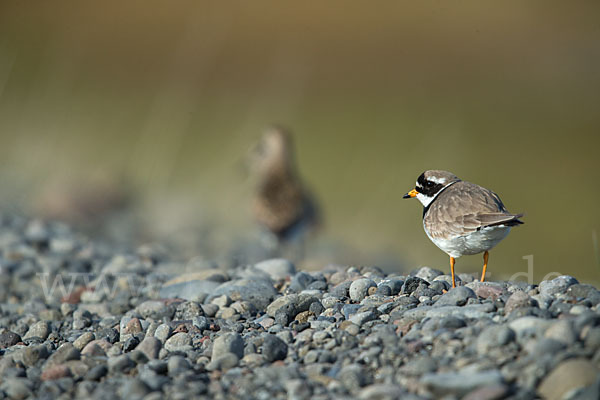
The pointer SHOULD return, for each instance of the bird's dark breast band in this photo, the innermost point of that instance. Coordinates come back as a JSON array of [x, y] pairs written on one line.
[[439, 191]]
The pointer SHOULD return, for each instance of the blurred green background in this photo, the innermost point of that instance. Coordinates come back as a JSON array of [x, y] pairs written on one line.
[[152, 105]]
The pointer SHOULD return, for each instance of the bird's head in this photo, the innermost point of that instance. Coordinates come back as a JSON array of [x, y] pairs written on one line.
[[429, 184]]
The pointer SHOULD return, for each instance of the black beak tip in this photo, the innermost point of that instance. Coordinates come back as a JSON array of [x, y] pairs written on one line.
[[406, 196]]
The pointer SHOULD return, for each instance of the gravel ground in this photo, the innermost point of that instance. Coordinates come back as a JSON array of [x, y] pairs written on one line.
[[82, 320]]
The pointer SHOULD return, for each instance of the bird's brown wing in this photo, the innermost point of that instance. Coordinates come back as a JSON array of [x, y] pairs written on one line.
[[464, 208]]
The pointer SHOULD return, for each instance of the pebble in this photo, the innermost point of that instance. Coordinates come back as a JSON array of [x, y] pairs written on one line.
[[150, 346], [134, 389], [273, 348], [562, 331], [179, 342], [584, 292], [277, 268], [83, 340], [359, 289], [9, 339], [64, 353], [457, 296], [176, 364], [568, 376], [428, 274], [224, 361], [122, 363], [265, 330], [301, 281], [518, 299], [33, 353], [55, 372], [97, 372], [557, 285], [259, 292], [412, 283], [363, 317], [98, 347], [193, 290], [39, 329], [229, 342], [494, 337], [17, 389], [162, 332], [154, 309], [487, 290], [460, 383], [529, 326]]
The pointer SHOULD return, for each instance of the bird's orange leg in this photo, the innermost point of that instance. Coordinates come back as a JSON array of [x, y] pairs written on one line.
[[452, 261], [486, 256]]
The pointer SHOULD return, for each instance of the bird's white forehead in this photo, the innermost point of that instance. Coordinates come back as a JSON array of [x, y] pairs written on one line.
[[435, 179]]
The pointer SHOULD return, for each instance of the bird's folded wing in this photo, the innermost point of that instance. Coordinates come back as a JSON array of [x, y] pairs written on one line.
[[483, 208]]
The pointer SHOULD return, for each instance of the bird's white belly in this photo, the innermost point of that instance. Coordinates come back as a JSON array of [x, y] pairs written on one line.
[[473, 243]]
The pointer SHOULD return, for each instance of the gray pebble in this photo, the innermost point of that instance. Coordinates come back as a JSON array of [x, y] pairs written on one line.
[[176, 364], [33, 353], [224, 361], [97, 372], [155, 309], [273, 348], [457, 296], [277, 268], [39, 329], [557, 285], [16, 388], [259, 292], [83, 339], [494, 337], [359, 289], [134, 389], [64, 353], [228, 342], [179, 342], [121, 363], [9, 339], [412, 283], [363, 317], [460, 383], [353, 377], [342, 289], [428, 274], [562, 331], [162, 332]]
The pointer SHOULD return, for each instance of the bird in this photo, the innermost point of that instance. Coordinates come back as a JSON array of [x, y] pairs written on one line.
[[282, 204], [461, 218]]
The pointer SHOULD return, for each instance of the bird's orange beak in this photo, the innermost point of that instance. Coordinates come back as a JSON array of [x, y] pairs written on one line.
[[412, 193]]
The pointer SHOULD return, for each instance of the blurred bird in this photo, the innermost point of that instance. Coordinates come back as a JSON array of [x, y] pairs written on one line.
[[461, 218], [282, 205]]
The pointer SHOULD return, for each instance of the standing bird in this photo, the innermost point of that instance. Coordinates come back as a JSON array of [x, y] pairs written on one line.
[[282, 205], [461, 218]]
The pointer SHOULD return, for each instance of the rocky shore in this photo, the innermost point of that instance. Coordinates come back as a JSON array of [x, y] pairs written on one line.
[[83, 320]]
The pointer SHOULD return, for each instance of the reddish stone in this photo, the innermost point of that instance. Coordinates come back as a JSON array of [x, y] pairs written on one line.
[[55, 372], [97, 347], [488, 292], [133, 326]]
